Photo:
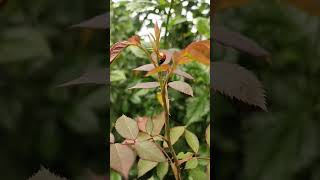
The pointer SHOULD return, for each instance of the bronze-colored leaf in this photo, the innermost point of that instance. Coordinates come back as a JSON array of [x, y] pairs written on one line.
[[99, 22], [199, 51], [182, 73], [93, 76], [146, 67], [182, 87], [163, 67], [237, 82], [239, 42], [134, 40], [146, 85], [122, 158], [116, 49]]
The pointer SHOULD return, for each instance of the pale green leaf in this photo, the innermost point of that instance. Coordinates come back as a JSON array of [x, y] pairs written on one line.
[[198, 174], [162, 169], [182, 155], [197, 107], [148, 150], [192, 140], [192, 163], [127, 127], [175, 134], [144, 166]]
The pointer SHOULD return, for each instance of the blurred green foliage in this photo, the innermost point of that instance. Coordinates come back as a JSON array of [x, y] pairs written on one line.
[[282, 144], [127, 19], [62, 129]]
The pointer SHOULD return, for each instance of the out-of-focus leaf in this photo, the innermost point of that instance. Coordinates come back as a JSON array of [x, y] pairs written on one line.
[[198, 174], [182, 87], [199, 51], [144, 166], [148, 150], [197, 107], [182, 73], [134, 40], [203, 26], [163, 67], [100, 22], [116, 49], [192, 163], [311, 7], [208, 135], [192, 140], [45, 174], [142, 121], [20, 44], [127, 127], [146, 85], [239, 42], [122, 158], [111, 138], [175, 134], [237, 82], [162, 170], [94, 76], [117, 75]]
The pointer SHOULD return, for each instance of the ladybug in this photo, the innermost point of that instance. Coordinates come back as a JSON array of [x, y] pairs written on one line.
[[162, 57]]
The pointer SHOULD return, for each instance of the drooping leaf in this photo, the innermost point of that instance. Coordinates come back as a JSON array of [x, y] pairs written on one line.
[[208, 135], [146, 67], [148, 150], [111, 138], [192, 163], [239, 42], [182, 87], [311, 7], [144, 166], [134, 40], [237, 82], [162, 170], [175, 134], [192, 140], [122, 158], [127, 127], [182, 73], [92, 76], [163, 67], [197, 107], [99, 22], [116, 49], [146, 85], [43, 173], [199, 51]]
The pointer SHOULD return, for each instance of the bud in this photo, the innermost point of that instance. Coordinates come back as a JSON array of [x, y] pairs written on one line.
[[162, 57]]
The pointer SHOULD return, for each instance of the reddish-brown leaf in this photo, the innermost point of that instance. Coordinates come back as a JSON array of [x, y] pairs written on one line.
[[122, 158], [239, 42], [142, 121], [117, 48], [182, 73], [134, 40], [199, 51], [182, 87], [237, 82], [146, 85], [163, 67], [99, 22]]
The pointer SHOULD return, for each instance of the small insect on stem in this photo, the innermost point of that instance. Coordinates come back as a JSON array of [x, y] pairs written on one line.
[[162, 57]]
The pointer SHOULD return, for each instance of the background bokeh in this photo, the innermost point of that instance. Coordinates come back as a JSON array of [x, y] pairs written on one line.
[[189, 22], [282, 144], [62, 129]]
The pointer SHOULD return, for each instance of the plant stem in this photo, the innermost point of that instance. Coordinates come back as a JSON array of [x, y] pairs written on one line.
[[167, 128], [167, 23]]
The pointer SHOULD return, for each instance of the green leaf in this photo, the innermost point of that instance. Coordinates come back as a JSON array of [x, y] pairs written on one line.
[[162, 169], [197, 174], [122, 158], [175, 134], [192, 140], [208, 135], [148, 150], [192, 163], [127, 127], [203, 26], [117, 75], [144, 166], [197, 107], [182, 155]]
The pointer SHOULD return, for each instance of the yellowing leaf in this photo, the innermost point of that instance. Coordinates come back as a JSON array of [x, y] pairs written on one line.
[[148, 150], [159, 98], [208, 135], [175, 134], [192, 163], [192, 140], [121, 158], [162, 169], [163, 67], [146, 85], [144, 166], [127, 127], [182, 87]]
